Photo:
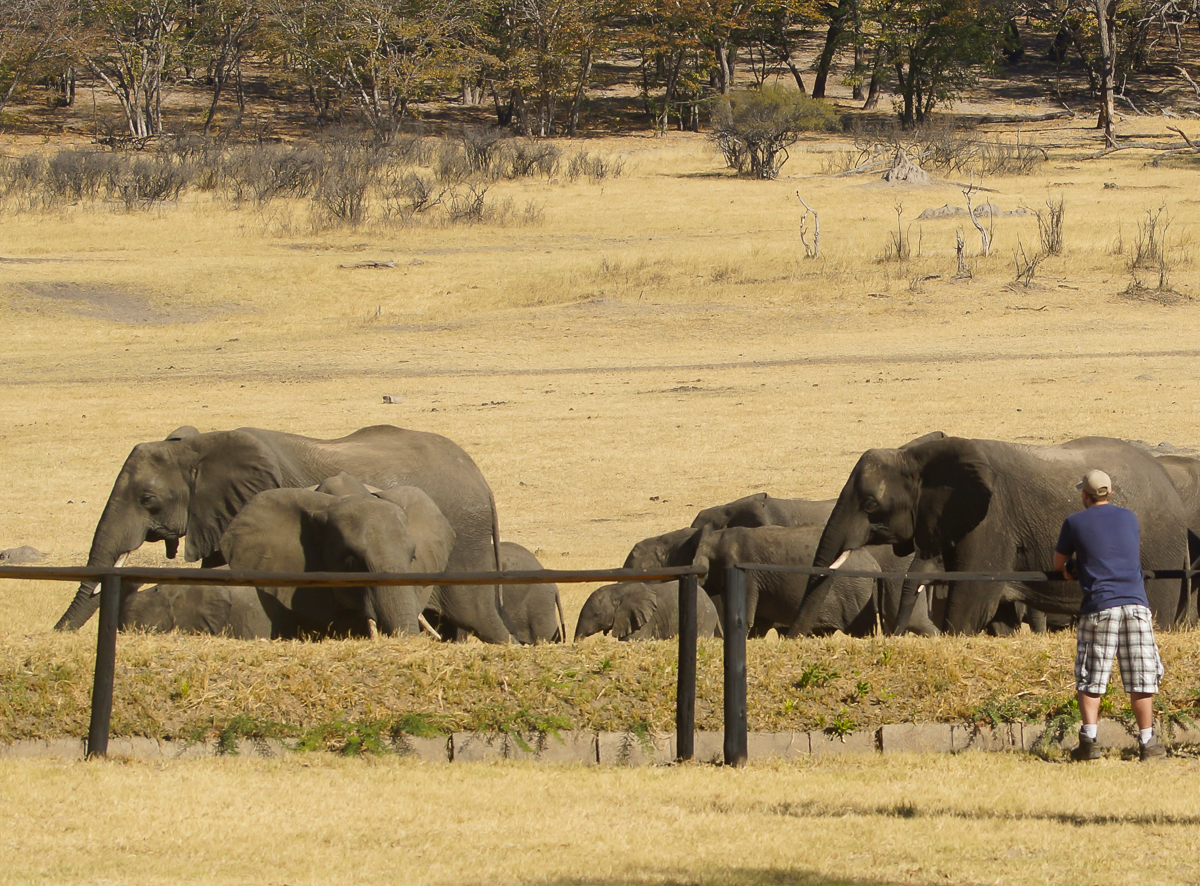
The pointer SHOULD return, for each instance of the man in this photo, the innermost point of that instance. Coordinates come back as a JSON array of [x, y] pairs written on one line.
[[1115, 616]]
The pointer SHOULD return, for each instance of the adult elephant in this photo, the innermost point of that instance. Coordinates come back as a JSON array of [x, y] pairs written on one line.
[[991, 506], [193, 485], [762, 509], [634, 610], [773, 599], [302, 530]]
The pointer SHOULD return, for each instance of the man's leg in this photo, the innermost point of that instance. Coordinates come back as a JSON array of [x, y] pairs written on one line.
[[1089, 707], [1143, 708]]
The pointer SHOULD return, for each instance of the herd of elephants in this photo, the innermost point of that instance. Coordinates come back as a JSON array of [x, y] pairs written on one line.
[[387, 499]]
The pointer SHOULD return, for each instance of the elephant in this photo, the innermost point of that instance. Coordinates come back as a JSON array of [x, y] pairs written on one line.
[[762, 509], [533, 611], [773, 598], [231, 611], [634, 610], [676, 548], [991, 506], [192, 486], [304, 530]]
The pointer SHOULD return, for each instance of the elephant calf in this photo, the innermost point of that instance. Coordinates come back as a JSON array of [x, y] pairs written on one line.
[[633, 610], [532, 612], [235, 612]]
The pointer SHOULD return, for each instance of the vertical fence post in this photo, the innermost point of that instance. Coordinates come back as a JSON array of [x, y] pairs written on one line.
[[106, 664], [685, 691], [735, 667]]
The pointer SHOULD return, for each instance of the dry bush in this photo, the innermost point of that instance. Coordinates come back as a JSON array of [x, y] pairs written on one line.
[[594, 167], [77, 175], [946, 148], [1050, 227], [521, 158], [147, 181], [481, 147]]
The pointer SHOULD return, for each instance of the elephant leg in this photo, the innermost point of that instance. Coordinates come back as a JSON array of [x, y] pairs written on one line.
[[971, 605]]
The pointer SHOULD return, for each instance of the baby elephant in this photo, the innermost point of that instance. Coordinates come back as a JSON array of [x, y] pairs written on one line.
[[532, 612], [199, 609], [633, 610]]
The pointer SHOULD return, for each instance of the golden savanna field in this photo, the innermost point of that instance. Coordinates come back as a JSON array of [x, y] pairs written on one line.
[[615, 354]]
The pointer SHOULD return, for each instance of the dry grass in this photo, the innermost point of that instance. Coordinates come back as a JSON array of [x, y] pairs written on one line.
[[194, 688], [851, 821]]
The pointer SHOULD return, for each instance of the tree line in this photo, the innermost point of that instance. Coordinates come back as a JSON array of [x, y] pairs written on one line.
[[534, 62]]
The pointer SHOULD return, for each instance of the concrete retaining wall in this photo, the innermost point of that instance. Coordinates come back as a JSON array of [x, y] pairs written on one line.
[[626, 749]]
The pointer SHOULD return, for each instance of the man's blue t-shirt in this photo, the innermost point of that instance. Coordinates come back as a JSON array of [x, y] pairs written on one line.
[[1105, 540]]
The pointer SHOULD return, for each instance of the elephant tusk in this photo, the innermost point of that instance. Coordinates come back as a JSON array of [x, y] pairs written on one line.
[[842, 558], [427, 626], [372, 629], [117, 564], [919, 589]]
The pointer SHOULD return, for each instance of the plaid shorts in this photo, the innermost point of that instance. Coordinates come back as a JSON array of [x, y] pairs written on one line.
[[1126, 632]]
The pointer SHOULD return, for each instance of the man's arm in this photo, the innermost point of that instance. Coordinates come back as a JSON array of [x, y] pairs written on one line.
[[1060, 565]]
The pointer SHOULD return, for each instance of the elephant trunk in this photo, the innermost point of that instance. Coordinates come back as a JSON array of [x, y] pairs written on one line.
[[115, 537], [908, 599], [846, 531], [395, 609]]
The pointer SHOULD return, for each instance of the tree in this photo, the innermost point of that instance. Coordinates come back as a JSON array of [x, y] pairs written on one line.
[[777, 26], [221, 32], [128, 44], [540, 59], [933, 47], [380, 57], [755, 127], [31, 34]]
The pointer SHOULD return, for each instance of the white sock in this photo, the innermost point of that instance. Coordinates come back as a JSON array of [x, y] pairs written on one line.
[[1144, 735], [1089, 729]]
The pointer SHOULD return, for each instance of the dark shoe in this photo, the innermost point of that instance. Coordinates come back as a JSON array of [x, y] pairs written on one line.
[[1087, 750], [1153, 749]]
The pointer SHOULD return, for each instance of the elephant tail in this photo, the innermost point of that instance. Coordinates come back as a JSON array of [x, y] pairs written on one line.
[[562, 621]]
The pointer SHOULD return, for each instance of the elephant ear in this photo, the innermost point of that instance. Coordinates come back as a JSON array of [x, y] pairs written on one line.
[[202, 609], [183, 432], [634, 612], [956, 491], [428, 526], [231, 468], [270, 532]]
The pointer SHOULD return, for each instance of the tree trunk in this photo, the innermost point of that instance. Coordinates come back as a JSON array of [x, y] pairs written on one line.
[[1102, 9], [832, 36], [585, 73]]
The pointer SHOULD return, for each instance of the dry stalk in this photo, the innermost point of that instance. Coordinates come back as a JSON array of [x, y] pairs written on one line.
[[815, 250], [984, 237]]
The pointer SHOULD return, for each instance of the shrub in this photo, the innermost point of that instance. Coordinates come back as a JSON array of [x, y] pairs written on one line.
[[754, 127], [145, 182]]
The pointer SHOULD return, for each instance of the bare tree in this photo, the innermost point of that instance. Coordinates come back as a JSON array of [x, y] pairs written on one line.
[[127, 44], [31, 34]]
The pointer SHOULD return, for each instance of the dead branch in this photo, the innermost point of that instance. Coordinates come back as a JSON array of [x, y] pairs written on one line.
[[1186, 76], [815, 249], [983, 234]]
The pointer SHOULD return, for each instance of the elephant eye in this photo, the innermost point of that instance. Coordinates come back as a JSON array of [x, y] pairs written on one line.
[[149, 500], [870, 505]]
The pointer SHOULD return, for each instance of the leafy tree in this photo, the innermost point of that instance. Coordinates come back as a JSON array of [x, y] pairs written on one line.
[[755, 127], [933, 47]]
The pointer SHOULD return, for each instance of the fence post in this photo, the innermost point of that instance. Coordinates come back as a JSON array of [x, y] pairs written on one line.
[[685, 691], [735, 667], [106, 663]]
